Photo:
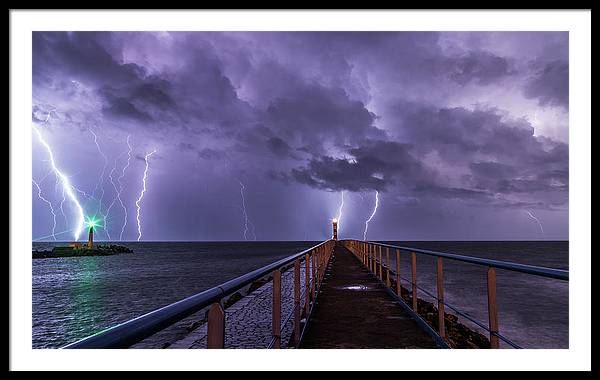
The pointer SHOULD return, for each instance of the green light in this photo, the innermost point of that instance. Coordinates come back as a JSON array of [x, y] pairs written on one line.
[[92, 222]]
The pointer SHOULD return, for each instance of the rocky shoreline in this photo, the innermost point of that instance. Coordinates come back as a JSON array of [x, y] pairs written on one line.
[[457, 334], [98, 250]]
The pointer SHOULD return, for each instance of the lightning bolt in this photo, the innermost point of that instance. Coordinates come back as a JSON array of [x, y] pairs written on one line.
[[62, 209], [100, 182], [339, 215], [64, 199], [49, 206], [536, 219], [137, 203], [48, 116], [253, 230], [53, 235], [121, 186], [372, 215], [67, 187], [119, 190], [245, 213], [112, 182]]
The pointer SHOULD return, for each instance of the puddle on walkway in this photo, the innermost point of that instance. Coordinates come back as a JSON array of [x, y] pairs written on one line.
[[358, 288]]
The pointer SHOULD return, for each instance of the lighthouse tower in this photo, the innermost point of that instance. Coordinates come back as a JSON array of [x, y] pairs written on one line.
[[90, 243], [334, 222]]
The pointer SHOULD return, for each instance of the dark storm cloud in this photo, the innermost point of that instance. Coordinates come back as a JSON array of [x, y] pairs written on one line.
[[121, 107], [458, 133], [203, 153], [153, 92], [452, 192], [279, 147], [144, 100], [491, 169], [501, 155], [130, 92], [517, 161], [550, 85], [81, 55], [479, 66], [312, 114], [299, 116], [376, 165], [211, 154]]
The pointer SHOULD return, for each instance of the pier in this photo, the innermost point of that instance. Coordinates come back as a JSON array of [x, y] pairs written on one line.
[[356, 311], [337, 294]]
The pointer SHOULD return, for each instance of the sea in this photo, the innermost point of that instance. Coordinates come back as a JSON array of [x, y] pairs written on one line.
[[74, 297]]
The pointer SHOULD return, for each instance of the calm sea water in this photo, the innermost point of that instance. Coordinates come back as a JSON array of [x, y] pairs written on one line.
[[75, 297]]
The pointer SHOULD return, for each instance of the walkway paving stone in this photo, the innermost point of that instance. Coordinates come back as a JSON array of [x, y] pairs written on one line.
[[248, 321]]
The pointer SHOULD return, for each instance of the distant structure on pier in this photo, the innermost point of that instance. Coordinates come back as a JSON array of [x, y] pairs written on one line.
[[335, 225]]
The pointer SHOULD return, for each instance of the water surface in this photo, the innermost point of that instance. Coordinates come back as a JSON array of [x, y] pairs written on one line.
[[74, 297]]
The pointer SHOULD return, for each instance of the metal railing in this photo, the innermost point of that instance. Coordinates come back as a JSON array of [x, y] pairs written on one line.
[[315, 260], [368, 252]]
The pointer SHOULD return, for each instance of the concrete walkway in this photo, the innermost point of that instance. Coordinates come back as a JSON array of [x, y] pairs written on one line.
[[248, 321], [354, 310]]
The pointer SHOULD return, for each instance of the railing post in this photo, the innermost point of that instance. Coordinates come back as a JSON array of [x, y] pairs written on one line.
[[323, 252], [276, 319], [360, 252], [297, 307], [216, 326], [388, 281], [323, 261], [306, 284], [374, 254], [440, 295], [372, 258], [398, 285], [380, 264], [317, 266], [492, 307], [414, 281], [313, 281], [321, 264]]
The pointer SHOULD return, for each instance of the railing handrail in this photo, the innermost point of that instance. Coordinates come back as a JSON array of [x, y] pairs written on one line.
[[135, 330], [559, 274]]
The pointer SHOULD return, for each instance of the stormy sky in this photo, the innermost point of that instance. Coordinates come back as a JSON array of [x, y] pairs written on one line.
[[463, 135]]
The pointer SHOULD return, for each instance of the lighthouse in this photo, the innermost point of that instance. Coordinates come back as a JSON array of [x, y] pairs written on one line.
[[90, 243], [334, 222]]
